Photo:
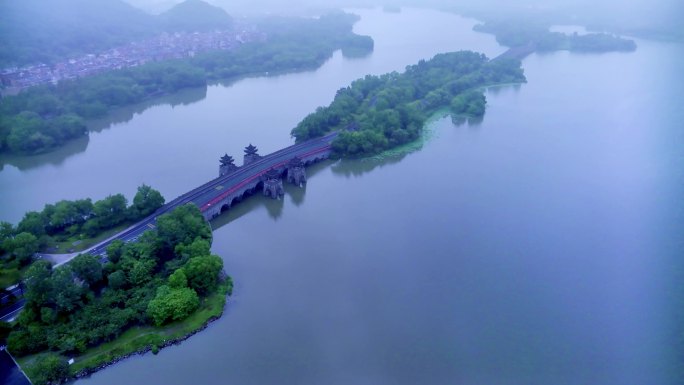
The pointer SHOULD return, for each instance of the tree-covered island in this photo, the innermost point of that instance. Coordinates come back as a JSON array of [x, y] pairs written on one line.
[[513, 33], [377, 113]]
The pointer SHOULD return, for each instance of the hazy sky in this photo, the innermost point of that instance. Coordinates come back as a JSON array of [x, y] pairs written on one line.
[[659, 15], [637, 8]]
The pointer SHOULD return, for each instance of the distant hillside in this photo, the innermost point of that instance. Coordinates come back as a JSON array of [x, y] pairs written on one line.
[[48, 30], [42, 30], [195, 15], [154, 7]]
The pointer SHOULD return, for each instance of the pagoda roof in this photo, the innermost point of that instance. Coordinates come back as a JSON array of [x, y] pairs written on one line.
[[227, 160], [251, 149]]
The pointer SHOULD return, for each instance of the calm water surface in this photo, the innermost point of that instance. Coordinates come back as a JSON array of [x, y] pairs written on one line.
[[539, 246]]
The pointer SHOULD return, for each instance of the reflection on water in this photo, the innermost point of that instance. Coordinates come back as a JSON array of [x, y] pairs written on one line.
[[120, 115], [183, 97], [274, 207], [470, 121], [296, 193], [55, 157], [358, 167], [495, 90]]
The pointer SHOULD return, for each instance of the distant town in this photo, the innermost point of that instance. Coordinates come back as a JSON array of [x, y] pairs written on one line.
[[166, 46]]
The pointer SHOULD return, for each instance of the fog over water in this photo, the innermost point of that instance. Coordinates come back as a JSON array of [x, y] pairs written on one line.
[[538, 246], [541, 244]]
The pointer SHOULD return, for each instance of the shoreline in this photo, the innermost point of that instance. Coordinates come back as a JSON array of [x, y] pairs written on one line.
[[222, 293], [148, 348]]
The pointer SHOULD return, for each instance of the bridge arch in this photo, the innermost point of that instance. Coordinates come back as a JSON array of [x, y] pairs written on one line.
[[224, 207]]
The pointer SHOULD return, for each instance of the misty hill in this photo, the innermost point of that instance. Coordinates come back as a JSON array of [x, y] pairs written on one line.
[[47, 30], [195, 15], [41, 30]]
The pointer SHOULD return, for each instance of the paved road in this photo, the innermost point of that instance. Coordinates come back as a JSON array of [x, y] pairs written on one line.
[[9, 313], [10, 374], [202, 196]]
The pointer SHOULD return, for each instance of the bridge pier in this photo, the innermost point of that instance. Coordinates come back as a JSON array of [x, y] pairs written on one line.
[[273, 185], [266, 174], [295, 172]]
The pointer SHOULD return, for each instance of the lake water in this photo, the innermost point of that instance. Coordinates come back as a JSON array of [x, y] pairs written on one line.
[[542, 245]]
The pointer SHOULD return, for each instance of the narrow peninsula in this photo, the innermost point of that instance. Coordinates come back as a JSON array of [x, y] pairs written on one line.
[[377, 113]]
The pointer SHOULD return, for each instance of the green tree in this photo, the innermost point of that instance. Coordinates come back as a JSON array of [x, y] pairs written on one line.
[[6, 234], [87, 268], [63, 214], [110, 211], [24, 246], [47, 315], [26, 133], [203, 273], [172, 304], [115, 250], [146, 201], [181, 226], [44, 105], [31, 339], [33, 222], [178, 280], [67, 126], [199, 247], [142, 270], [67, 294], [48, 369], [184, 252], [92, 227], [117, 280], [38, 283]]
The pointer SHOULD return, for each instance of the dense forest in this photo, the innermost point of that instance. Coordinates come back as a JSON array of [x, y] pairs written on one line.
[[517, 33], [35, 31], [162, 278], [380, 112], [44, 117]]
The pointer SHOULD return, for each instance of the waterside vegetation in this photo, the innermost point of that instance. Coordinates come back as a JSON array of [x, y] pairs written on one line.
[[167, 277], [517, 33], [377, 113], [45, 117]]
